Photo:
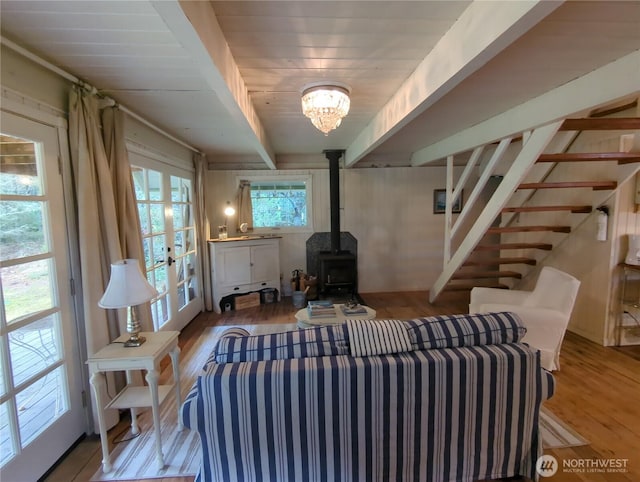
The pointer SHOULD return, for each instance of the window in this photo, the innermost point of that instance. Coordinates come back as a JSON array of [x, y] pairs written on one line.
[[282, 204]]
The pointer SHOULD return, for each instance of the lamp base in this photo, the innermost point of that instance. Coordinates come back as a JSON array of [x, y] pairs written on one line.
[[134, 341], [133, 328]]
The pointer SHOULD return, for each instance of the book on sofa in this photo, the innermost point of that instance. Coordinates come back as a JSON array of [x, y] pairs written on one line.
[[321, 309]]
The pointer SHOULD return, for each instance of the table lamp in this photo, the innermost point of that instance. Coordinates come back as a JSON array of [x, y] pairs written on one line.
[[128, 288]]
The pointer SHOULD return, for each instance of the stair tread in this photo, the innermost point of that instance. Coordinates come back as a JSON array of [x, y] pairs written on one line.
[[500, 261], [595, 185], [487, 274], [519, 229], [529, 209], [501, 246], [621, 157], [600, 124], [469, 286]]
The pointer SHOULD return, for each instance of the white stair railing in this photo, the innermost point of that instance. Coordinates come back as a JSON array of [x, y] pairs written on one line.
[[533, 144]]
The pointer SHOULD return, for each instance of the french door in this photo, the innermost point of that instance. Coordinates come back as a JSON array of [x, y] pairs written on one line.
[[165, 204], [41, 412]]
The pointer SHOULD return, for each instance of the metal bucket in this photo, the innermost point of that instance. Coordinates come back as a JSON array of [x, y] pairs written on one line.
[[299, 299]]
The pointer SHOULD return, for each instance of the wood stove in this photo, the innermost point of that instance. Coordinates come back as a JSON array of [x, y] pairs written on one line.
[[337, 269], [337, 273]]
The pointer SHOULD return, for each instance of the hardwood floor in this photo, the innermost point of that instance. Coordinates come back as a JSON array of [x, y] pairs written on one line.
[[597, 390]]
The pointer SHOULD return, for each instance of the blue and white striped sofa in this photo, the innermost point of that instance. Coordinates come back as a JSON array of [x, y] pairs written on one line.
[[462, 404]]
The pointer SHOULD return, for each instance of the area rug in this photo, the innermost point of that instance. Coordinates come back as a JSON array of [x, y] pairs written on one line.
[[135, 458], [557, 434]]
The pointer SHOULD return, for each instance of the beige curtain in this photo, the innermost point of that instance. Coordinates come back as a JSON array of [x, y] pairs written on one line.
[[243, 201], [127, 217], [98, 234], [202, 226], [98, 231], [107, 219]]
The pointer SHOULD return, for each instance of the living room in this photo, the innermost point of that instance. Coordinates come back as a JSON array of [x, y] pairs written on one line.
[[387, 187]]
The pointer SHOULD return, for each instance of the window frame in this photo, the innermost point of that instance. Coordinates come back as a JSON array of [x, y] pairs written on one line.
[[307, 179]]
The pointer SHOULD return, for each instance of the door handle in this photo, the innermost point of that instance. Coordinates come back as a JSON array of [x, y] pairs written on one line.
[[170, 260]]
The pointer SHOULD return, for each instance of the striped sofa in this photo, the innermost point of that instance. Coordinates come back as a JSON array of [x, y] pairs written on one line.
[[461, 404]]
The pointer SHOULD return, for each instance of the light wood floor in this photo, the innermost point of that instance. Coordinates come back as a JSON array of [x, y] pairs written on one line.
[[597, 389]]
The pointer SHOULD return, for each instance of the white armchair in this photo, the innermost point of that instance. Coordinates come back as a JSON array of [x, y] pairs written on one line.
[[545, 311]]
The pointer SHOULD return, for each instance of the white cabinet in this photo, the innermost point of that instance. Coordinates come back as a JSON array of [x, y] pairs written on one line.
[[243, 265]]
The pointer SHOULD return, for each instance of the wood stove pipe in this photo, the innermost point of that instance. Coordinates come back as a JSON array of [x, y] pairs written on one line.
[[334, 196]]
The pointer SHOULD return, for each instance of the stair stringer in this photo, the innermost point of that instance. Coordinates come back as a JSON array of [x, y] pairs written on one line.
[[534, 143]]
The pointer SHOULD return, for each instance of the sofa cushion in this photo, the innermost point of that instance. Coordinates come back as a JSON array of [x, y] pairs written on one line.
[[377, 337], [318, 341], [445, 331], [450, 331]]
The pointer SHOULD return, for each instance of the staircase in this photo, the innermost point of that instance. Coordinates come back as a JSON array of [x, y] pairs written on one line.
[[541, 199]]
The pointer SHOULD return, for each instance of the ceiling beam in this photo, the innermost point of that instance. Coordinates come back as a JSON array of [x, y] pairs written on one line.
[[196, 27], [481, 32], [613, 81]]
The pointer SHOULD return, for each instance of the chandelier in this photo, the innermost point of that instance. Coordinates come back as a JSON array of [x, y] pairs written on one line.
[[325, 104]]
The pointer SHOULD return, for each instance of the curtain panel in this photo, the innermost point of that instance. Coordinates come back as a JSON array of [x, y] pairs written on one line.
[[127, 216], [243, 201], [107, 218], [98, 232], [98, 236], [202, 226]]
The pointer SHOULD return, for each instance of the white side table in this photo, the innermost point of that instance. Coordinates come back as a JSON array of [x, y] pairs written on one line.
[[115, 357], [302, 316]]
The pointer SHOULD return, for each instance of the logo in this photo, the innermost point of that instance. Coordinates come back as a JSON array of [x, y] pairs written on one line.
[[546, 466]]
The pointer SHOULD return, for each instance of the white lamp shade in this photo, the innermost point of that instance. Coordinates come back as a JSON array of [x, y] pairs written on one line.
[[127, 286]]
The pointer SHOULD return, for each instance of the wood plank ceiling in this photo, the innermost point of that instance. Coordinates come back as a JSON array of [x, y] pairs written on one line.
[[225, 77]]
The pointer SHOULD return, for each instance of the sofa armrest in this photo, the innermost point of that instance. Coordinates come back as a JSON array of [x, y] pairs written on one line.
[[481, 296], [189, 408], [547, 385]]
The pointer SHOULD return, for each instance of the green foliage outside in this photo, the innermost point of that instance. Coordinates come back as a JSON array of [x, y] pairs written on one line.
[[26, 287], [279, 207], [21, 232]]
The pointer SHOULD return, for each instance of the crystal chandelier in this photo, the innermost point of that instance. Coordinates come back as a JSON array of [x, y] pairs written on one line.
[[325, 104]]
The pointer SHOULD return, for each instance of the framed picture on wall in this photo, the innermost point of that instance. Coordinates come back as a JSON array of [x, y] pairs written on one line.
[[439, 201]]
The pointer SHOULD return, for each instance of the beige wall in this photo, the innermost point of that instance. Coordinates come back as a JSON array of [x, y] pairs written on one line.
[[22, 75], [388, 210]]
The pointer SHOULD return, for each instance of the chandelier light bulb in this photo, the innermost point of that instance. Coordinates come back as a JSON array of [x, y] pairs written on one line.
[[326, 104]]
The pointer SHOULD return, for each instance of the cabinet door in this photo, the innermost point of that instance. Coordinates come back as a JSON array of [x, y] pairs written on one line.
[[234, 266], [265, 262]]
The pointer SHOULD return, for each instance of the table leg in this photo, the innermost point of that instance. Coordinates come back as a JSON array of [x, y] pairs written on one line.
[[135, 430], [98, 383], [152, 380], [175, 363]]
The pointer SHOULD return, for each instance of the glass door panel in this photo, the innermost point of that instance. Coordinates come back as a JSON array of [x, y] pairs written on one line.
[[40, 387], [149, 193], [184, 240], [168, 230]]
